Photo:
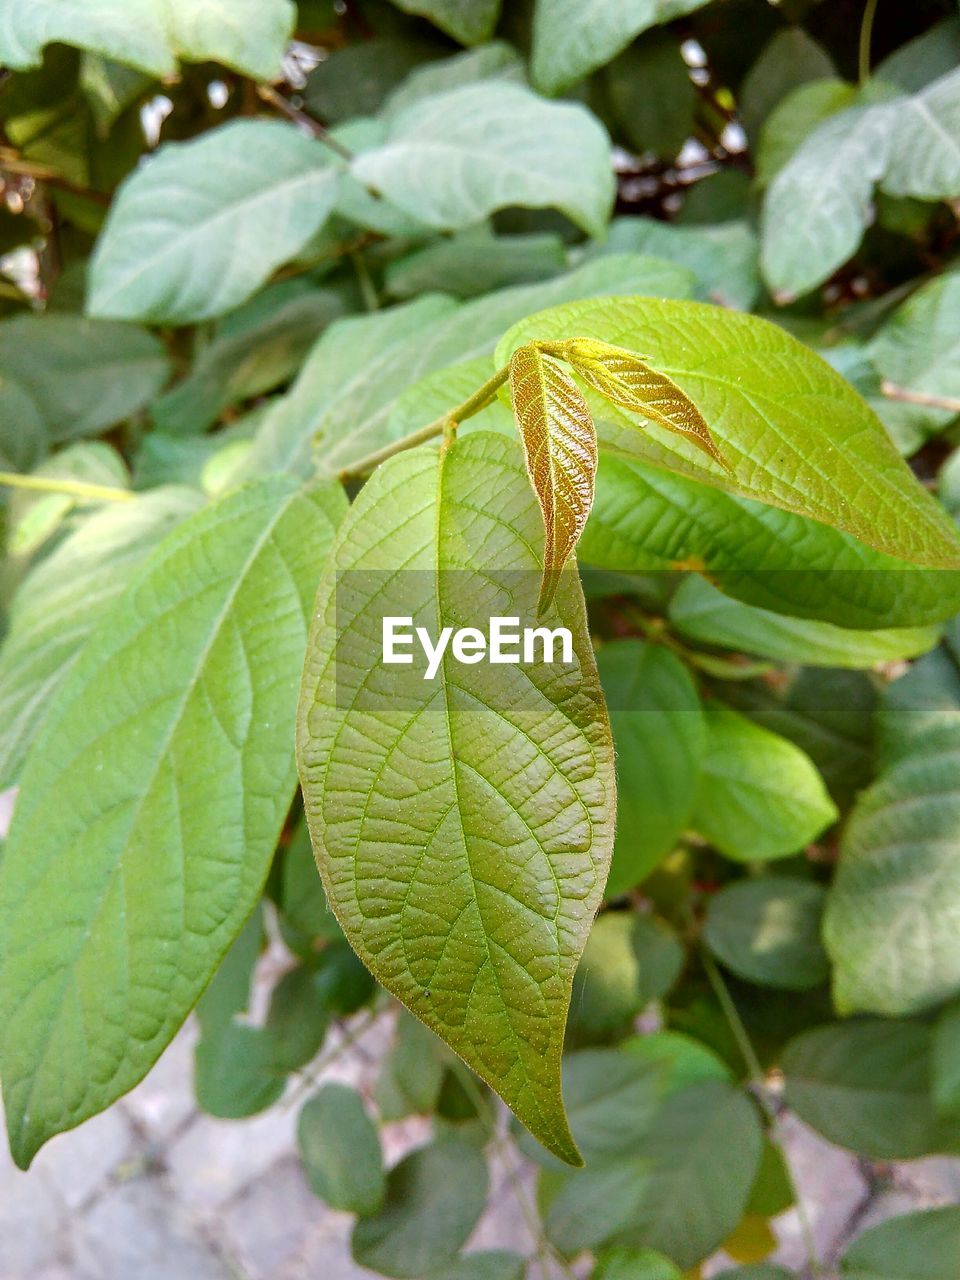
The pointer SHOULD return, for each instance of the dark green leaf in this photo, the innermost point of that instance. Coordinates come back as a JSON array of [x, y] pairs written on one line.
[[768, 931], [340, 1150]]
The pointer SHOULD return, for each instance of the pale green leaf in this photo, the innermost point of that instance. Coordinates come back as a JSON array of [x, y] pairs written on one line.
[[494, 61], [73, 377], [865, 1085], [248, 35], [475, 261], [573, 37], [795, 118], [645, 518], [660, 736], [894, 908], [796, 435], [817, 206], [768, 931], [700, 612], [918, 349], [434, 1197], [760, 796], [914, 1246], [170, 249], [33, 517], [485, 954], [151, 803], [340, 1150], [925, 142], [453, 158], [790, 59], [468, 21], [58, 605], [634, 1264]]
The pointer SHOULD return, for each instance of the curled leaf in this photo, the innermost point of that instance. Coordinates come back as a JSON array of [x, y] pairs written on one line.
[[626, 380], [560, 450]]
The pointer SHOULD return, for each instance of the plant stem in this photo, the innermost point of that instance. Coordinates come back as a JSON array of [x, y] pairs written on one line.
[[74, 488], [866, 40], [925, 398], [479, 400], [310, 1079], [303, 121], [758, 1080], [367, 289]]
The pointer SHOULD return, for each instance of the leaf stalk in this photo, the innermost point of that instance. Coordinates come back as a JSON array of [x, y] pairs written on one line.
[[73, 488]]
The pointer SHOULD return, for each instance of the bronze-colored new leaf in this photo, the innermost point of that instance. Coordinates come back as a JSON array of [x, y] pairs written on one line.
[[560, 449], [623, 378]]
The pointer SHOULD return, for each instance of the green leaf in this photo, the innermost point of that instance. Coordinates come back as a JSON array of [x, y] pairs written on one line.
[[795, 433], [168, 250], [927, 57], [634, 1264], [452, 159], [255, 349], [35, 517], [61, 601], [492, 1264], [796, 117], [468, 21], [411, 1073], [759, 1271], [248, 35], [791, 59], [229, 990], [945, 1063], [768, 931], [355, 81], [494, 61], [434, 1197], [340, 1150], [924, 151], [486, 956], [560, 451], [645, 518], [475, 261], [817, 206], [865, 1085], [573, 37], [918, 349], [302, 900], [151, 803], [723, 258], [73, 377], [700, 612], [660, 735], [914, 1246], [891, 920], [237, 1073], [652, 98], [629, 960], [760, 796]]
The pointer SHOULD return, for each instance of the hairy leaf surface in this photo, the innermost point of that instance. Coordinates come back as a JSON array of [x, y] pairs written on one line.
[[463, 825], [560, 450], [150, 805]]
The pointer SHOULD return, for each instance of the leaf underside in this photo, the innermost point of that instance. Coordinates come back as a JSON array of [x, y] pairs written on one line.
[[560, 448], [462, 826]]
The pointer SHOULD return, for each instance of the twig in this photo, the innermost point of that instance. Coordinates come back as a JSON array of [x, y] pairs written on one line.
[[303, 121], [925, 398], [866, 41], [13, 163], [74, 488]]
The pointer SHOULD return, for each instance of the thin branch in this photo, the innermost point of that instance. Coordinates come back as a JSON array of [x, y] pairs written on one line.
[[303, 121], [925, 398], [866, 41], [13, 163], [73, 488]]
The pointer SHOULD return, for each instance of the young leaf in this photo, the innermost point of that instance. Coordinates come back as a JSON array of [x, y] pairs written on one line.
[[151, 803], [462, 825], [560, 449], [168, 250], [624, 379]]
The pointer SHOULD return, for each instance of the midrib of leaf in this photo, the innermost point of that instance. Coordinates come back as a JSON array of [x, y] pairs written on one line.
[[199, 230], [164, 746]]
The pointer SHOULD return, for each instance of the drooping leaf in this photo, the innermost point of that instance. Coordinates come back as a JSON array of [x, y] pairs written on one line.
[[701, 612], [628, 381], [660, 736], [911, 1246], [572, 37], [452, 159], [149, 808], [434, 1197], [485, 952], [340, 1150], [62, 600], [248, 35], [73, 376], [893, 912], [168, 250], [468, 21], [760, 797], [865, 1085], [794, 432], [768, 931], [560, 451]]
